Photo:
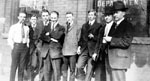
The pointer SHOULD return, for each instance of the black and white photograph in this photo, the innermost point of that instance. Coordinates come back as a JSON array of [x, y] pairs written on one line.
[[74, 40]]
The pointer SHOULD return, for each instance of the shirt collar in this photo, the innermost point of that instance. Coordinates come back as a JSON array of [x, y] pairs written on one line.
[[118, 22], [20, 24], [55, 24], [110, 23], [92, 22], [46, 22], [33, 25]]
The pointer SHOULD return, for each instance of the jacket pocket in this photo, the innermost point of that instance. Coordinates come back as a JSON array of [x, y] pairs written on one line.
[[122, 53]]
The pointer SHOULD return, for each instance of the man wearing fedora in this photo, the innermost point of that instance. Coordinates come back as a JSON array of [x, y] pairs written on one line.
[[101, 46], [116, 44]]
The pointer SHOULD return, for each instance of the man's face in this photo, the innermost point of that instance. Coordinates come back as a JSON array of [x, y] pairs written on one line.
[[33, 20], [22, 17], [91, 16], [69, 18], [119, 15], [54, 17], [45, 16], [108, 18]]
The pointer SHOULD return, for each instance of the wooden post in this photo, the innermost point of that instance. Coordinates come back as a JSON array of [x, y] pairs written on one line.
[[148, 17], [14, 11]]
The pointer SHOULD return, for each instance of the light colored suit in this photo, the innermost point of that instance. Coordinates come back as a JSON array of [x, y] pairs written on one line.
[[71, 40]]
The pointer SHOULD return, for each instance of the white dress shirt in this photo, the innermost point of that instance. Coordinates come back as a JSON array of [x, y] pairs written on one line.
[[91, 22], [107, 29], [53, 25], [15, 34]]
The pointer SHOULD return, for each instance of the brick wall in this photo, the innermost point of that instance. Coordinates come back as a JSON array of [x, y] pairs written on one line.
[[5, 11], [2, 2], [78, 7], [8, 15]]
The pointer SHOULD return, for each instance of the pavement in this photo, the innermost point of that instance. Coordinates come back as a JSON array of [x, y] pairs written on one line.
[[5, 60]]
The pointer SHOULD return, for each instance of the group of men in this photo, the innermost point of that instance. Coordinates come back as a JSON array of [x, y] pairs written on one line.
[[49, 49]]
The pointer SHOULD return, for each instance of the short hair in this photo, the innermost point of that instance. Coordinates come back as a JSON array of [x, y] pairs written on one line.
[[69, 13], [55, 13], [33, 15], [44, 10], [92, 10], [22, 12]]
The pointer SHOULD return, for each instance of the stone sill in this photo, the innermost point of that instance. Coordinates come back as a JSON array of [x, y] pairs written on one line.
[[136, 40], [141, 40]]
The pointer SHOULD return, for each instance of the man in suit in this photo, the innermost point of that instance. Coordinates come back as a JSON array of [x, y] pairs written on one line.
[[101, 46], [56, 42], [33, 52], [18, 39], [70, 47], [43, 46], [87, 43], [119, 40]]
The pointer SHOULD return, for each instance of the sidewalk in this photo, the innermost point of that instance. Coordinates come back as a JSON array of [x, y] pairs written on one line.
[[5, 59]]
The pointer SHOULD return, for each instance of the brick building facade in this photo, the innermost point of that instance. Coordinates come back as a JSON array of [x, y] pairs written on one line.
[[137, 11], [10, 8]]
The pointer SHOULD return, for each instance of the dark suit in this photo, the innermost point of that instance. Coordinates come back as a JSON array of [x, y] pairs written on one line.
[[87, 49], [34, 61], [101, 50], [55, 51], [118, 50], [43, 47], [51, 51]]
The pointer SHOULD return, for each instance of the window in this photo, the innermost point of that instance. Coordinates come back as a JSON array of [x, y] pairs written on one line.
[[137, 14]]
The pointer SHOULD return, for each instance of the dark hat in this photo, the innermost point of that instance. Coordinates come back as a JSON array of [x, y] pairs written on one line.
[[119, 6], [108, 10]]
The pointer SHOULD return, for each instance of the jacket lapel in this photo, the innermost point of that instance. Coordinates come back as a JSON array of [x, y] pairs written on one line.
[[56, 28], [91, 27], [112, 30], [71, 27]]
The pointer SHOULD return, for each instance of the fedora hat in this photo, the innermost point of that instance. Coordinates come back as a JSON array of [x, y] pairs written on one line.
[[119, 6], [108, 10]]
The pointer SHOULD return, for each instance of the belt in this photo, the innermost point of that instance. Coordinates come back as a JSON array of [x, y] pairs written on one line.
[[20, 43]]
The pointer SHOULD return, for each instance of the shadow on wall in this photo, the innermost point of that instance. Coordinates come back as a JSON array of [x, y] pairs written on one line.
[[141, 55]]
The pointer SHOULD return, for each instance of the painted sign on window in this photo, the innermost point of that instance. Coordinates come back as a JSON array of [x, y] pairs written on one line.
[[103, 3], [136, 14]]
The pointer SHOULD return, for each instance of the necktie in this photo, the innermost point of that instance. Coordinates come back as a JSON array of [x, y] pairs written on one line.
[[52, 27], [45, 23], [68, 26], [90, 24], [22, 31]]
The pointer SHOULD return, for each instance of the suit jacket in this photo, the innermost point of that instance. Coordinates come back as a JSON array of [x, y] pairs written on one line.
[[71, 40], [85, 42], [101, 49], [43, 44], [119, 52], [56, 47], [33, 36]]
